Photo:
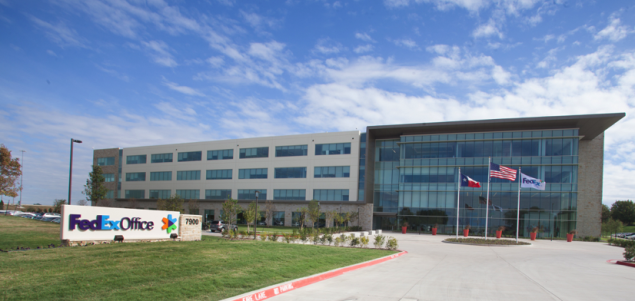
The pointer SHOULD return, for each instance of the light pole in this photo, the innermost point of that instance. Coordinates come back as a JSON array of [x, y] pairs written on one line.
[[256, 215], [70, 173], [21, 179]]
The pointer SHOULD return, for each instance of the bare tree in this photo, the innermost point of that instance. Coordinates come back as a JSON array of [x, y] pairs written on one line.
[[82, 203], [105, 203], [269, 209]]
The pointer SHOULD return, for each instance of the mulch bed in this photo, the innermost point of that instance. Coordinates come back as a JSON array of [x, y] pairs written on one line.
[[489, 242]]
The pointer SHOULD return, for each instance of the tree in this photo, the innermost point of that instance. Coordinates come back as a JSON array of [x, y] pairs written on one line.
[[173, 203], [304, 213], [330, 217], [606, 213], [57, 205], [230, 211], [339, 219], [349, 216], [94, 188], [192, 206], [250, 214], [10, 171], [612, 226], [269, 208], [1, 205], [623, 211], [314, 212], [82, 202], [105, 203]]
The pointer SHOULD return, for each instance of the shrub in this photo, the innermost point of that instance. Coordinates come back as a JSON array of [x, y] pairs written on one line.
[[624, 243], [351, 237], [364, 240], [303, 236], [274, 236], [379, 241], [338, 241], [316, 237], [323, 239], [629, 253], [234, 234], [287, 238], [354, 242], [224, 233], [392, 243], [329, 238], [243, 234], [263, 236], [344, 238]]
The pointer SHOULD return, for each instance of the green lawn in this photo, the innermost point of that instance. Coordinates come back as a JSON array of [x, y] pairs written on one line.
[[211, 269], [22, 232]]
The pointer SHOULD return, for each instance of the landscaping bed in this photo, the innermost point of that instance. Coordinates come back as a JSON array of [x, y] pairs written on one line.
[[488, 242]]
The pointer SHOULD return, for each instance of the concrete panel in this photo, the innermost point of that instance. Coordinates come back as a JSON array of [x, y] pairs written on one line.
[[590, 177]]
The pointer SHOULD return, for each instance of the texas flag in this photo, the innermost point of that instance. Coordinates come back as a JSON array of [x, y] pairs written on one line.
[[468, 182]]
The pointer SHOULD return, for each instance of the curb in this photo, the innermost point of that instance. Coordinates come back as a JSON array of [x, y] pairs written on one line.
[[285, 287], [484, 245]]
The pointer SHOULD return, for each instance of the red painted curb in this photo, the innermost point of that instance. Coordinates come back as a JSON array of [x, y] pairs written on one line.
[[626, 263], [280, 289]]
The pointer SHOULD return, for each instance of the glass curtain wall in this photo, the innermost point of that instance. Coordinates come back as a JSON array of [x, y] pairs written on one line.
[[420, 182]]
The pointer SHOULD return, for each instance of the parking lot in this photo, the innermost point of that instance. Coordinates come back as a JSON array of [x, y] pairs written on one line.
[[434, 270]]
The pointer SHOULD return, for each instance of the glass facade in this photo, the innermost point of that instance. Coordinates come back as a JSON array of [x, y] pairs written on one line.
[[362, 167], [135, 176], [190, 156], [188, 175], [416, 177], [221, 154], [330, 194], [291, 150], [137, 159], [256, 152], [208, 215], [109, 177], [160, 194], [290, 172], [135, 194], [278, 218], [253, 173], [250, 194], [332, 149], [332, 172], [161, 158], [218, 194], [289, 194], [161, 176], [219, 174], [106, 161], [189, 194], [110, 194]]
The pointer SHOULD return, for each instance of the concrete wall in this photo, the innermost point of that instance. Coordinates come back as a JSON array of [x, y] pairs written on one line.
[[309, 161], [590, 171]]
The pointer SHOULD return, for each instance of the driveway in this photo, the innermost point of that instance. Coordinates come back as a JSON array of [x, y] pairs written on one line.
[[433, 270]]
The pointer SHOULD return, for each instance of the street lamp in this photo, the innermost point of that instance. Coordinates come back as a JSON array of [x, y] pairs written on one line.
[[256, 215], [70, 173]]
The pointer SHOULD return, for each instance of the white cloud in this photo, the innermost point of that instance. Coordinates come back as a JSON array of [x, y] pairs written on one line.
[[51, 53], [614, 31], [159, 51], [487, 30], [510, 6], [258, 21], [364, 37], [327, 46], [500, 75], [60, 33], [363, 48], [183, 89], [408, 43]]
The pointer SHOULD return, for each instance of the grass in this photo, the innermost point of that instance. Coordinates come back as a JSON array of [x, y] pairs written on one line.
[[480, 241], [211, 269], [260, 229], [22, 232]]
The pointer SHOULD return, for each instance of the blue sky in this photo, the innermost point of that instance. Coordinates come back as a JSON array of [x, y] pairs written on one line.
[[133, 73]]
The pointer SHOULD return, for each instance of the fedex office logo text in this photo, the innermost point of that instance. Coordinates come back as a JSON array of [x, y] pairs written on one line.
[[531, 181], [103, 222]]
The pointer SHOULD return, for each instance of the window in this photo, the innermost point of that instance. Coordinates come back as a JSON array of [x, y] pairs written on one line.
[[250, 194], [256, 152], [223, 154], [290, 172], [332, 149], [188, 194], [190, 156], [219, 174], [278, 218], [106, 161], [254, 173], [188, 175], [218, 194], [161, 176], [135, 176], [137, 159], [135, 194], [330, 194], [291, 151], [295, 219], [110, 194], [109, 177], [289, 194], [332, 172], [161, 158], [160, 194], [208, 216]]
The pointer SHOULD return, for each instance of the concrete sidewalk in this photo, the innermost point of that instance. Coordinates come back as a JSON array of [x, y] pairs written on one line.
[[438, 271]]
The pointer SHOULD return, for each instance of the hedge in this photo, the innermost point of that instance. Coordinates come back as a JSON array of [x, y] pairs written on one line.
[[621, 242]]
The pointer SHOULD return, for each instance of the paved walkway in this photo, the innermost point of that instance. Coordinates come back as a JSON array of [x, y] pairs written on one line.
[[438, 271]]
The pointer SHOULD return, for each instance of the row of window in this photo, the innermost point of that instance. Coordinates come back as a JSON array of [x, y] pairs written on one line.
[[250, 173], [244, 194], [227, 154]]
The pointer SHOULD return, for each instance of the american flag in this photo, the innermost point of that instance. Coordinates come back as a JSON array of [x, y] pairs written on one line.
[[502, 172]]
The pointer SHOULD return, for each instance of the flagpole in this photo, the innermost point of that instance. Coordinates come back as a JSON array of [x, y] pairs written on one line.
[[489, 165], [458, 202], [520, 178]]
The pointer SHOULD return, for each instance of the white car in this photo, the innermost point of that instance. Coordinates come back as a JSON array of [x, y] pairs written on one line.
[[26, 215]]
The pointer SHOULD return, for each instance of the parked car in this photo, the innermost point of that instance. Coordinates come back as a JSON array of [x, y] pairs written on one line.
[[26, 215], [48, 219], [56, 220], [220, 226], [262, 224]]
